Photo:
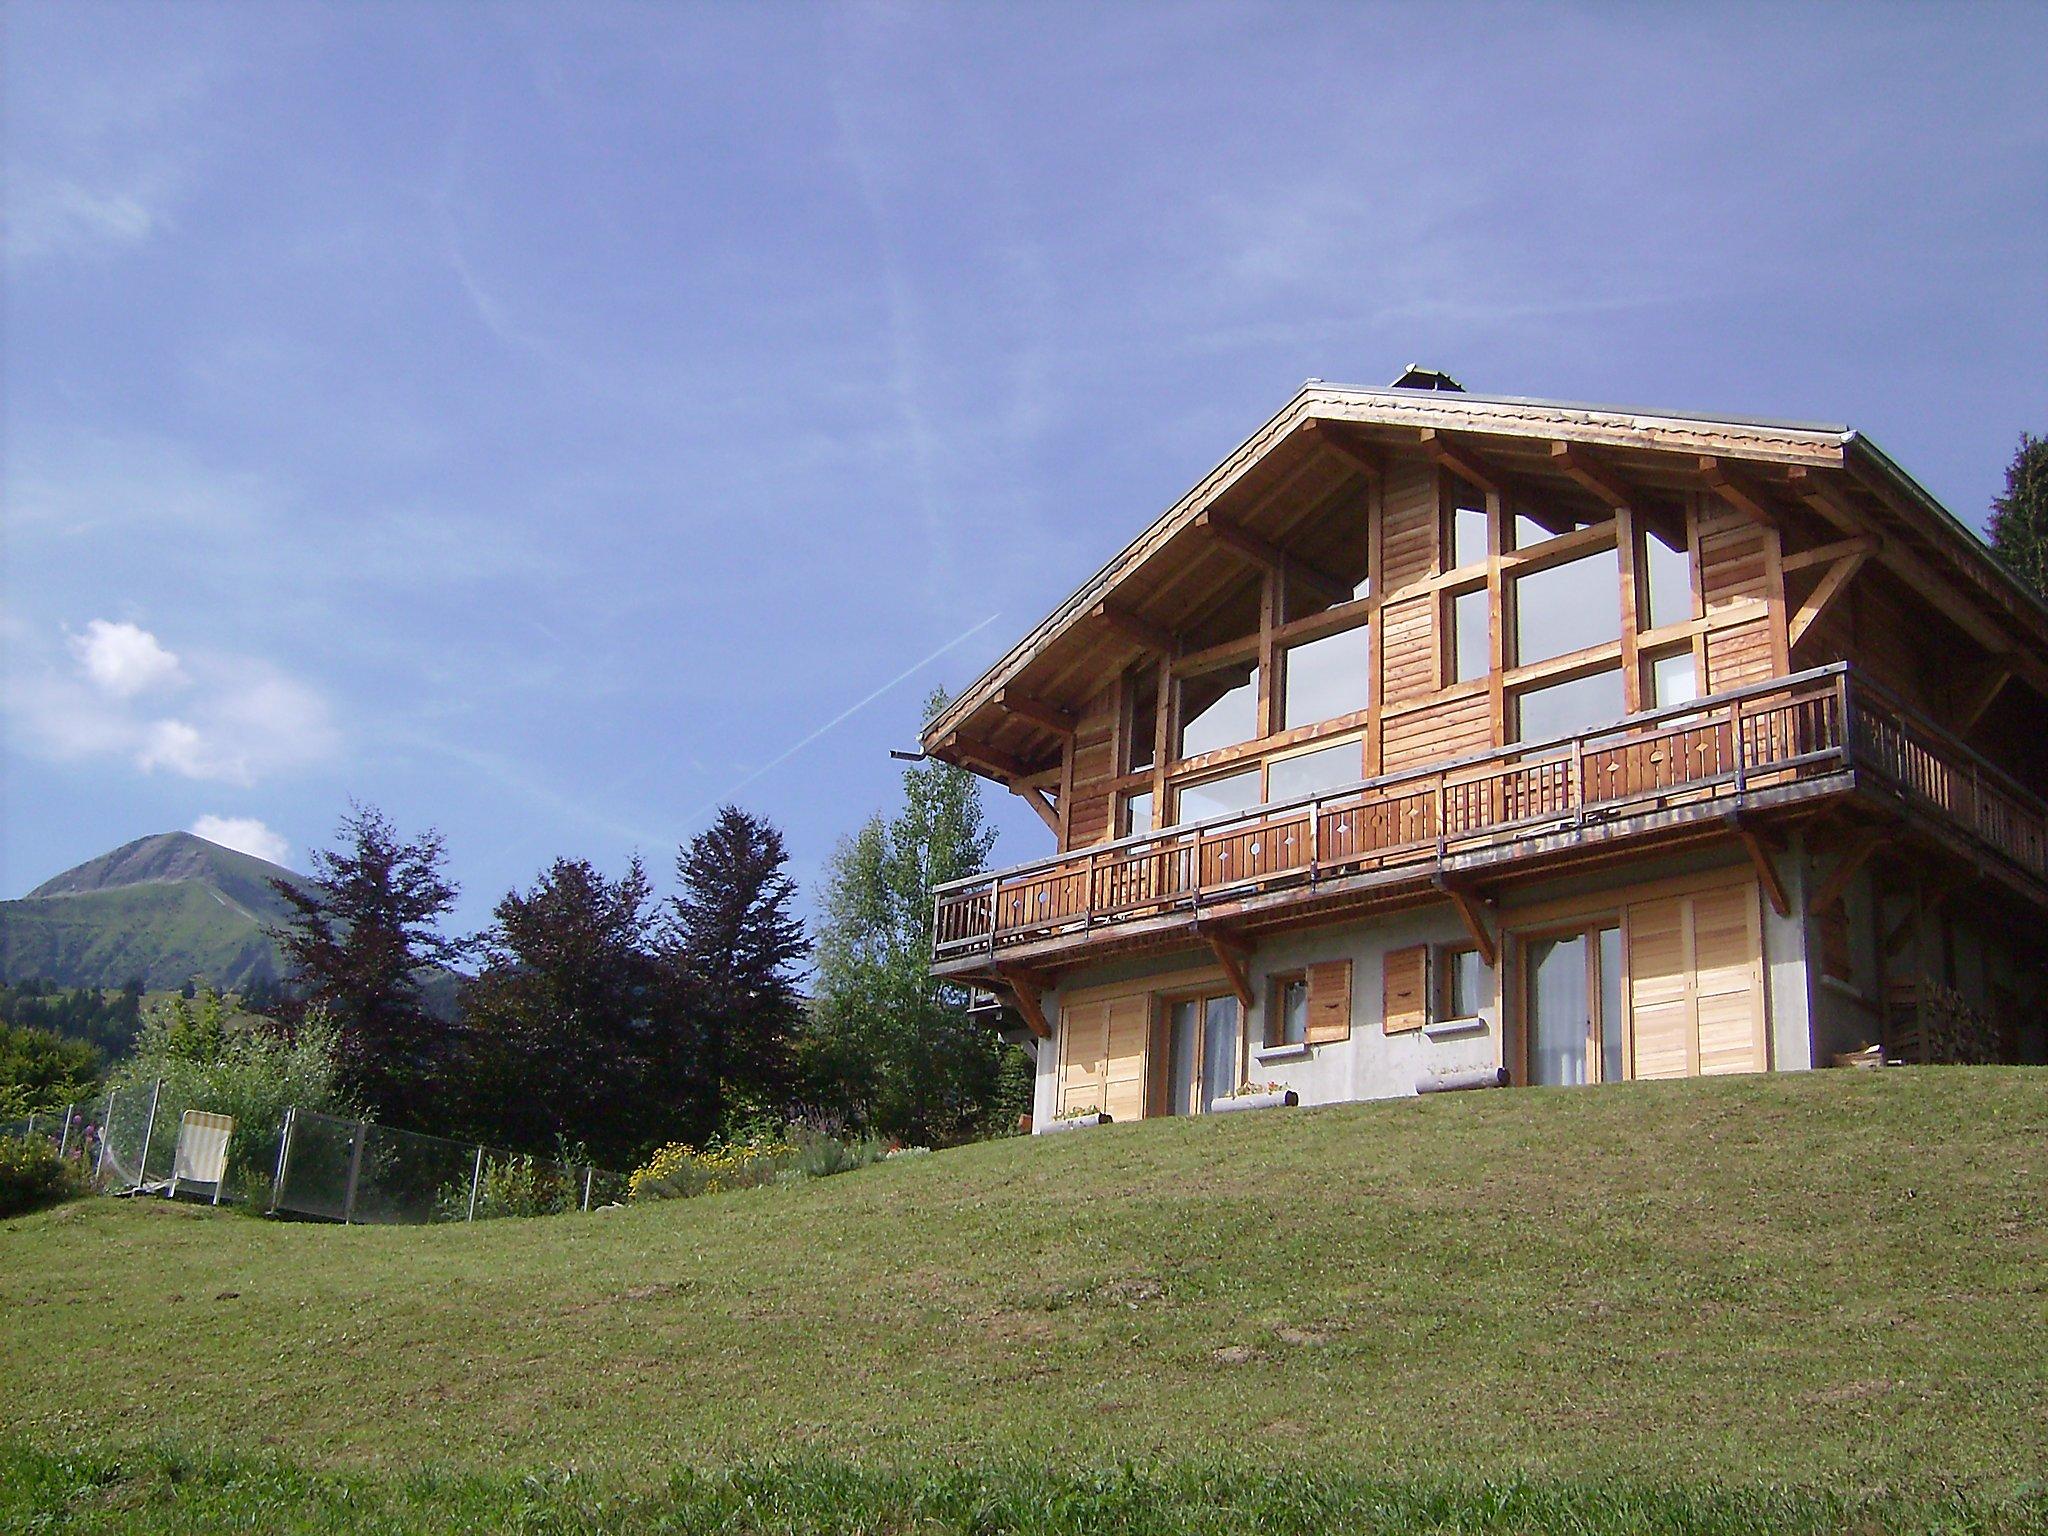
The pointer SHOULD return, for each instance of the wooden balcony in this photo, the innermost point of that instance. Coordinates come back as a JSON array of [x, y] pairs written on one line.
[[1757, 749]]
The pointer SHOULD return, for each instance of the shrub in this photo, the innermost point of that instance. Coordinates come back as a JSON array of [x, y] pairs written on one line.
[[678, 1171], [819, 1154], [31, 1175]]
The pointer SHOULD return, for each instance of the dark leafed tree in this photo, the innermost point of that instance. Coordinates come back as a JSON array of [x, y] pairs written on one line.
[[2019, 518], [735, 947], [358, 941], [895, 1048], [561, 1025]]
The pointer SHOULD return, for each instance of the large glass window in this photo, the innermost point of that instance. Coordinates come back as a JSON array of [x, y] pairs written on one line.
[[1137, 814], [1141, 725], [1471, 650], [1217, 797], [1568, 607], [1667, 575], [1310, 773], [1672, 680], [1328, 677], [1465, 527], [1219, 709], [1565, 709]]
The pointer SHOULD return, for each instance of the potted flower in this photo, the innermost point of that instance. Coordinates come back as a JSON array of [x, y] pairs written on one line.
[[1078, 1119], [1256, 1096]]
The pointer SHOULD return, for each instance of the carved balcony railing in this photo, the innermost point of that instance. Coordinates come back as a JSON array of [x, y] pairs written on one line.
[[1702, 758]]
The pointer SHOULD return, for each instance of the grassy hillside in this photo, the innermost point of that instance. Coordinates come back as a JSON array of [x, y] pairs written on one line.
[[1837, 1281]]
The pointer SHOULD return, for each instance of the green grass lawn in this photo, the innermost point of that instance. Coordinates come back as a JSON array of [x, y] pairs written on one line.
[[1804, 1288]]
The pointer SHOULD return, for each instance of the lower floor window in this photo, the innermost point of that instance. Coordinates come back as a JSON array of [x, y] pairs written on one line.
[[1287, 1011]]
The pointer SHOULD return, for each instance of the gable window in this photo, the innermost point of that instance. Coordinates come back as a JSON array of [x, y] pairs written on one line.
[[1322, 679], [1471, 653], [1460, 978], [1667, 578], [1569, 607], [1565, 709], [1464, 527], [1287, 1011], [1310, 773], [1219, 708], [1209, 798]]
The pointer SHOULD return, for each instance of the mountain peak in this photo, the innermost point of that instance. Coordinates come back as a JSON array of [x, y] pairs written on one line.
[[161, 859]]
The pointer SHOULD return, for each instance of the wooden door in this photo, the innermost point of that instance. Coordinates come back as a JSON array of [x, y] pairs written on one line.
[[1695, 983], [1102, 1056]]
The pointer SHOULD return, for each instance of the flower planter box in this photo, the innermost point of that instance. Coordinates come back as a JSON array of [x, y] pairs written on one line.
[[1286, 1098], [1074, 1123]]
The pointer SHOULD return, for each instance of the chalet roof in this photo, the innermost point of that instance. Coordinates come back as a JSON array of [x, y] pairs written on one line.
[[1828, 468]]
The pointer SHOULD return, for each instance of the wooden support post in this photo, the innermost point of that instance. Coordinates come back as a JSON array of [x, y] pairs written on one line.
[[1469, 912], [1236, 962], [1029, 991]]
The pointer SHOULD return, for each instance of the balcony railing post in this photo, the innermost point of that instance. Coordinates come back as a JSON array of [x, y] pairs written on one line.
[[1088, 895], [1575, 792], [1315, 838]]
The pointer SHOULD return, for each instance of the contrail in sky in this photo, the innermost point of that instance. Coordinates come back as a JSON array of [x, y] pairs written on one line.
[[840, 718]]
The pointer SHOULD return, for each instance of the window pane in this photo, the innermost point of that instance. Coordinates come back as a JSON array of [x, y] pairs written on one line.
[[1218, 797], [1292, 1025], [1143, 731], [1534, 525], [1568, 607], [1461, 984], [1564, 709], [1181, 1044], [1310, 773], [1219, 1049], [1557, 996], [1473, 650], [1667, 571], [1328, 677], [1467, 528], [1672, 680], [1219, 709], [1137, 814]]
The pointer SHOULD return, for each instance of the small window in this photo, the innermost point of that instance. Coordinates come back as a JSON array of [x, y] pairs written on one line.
[[1667, 577], [1217, 797], [1287, 1011], [1471, 646], [1326, 678], [1568, 607], [1565, 709], [1219, 709], [1136, 815], [1141, 724], [1673, 679], [1461, 976], [1310, 773], [1465, 527]]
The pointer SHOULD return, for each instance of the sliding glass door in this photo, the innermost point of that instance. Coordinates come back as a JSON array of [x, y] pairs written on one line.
[[1202, 1051], [1573, 1008]]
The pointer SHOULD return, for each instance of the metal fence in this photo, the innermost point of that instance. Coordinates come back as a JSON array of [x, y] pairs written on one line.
[[324, 1166]]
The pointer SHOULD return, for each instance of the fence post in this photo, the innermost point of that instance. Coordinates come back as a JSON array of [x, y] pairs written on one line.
[[284, 1154], [355, 1169], [148, 1134], [476, 1178], [589, 1173], [31, 1123], [99, 1168], [64, 1137]]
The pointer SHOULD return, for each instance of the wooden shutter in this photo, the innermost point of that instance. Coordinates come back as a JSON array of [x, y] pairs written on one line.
[[1407, 989], [1695, 985], [1329, 1002]]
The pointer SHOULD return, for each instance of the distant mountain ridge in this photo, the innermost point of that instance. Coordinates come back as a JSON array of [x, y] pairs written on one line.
[[164, 909]]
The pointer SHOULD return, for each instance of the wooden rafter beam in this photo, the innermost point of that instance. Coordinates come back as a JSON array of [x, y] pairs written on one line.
[[1832, 582], [1851, 859], [1474, 918], [1824, 554], [1731, 488], [1270, 556], [1049, 717], [995, 759], [1029, 991], [1334, 439], [1593, 475], [1460, 460], [1235, 959], [1142, 633], [1978, 704]]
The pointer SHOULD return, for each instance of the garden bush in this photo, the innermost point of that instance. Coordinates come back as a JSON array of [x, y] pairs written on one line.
[[797, 1152], [31, 1175]]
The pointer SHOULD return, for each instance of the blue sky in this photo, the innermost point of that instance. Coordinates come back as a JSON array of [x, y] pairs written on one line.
[[537, 421]]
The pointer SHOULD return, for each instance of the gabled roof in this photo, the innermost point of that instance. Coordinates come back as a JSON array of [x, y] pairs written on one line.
[[1828, 468]]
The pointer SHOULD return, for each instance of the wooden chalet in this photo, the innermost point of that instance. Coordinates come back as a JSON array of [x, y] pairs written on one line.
[[1434, 735]]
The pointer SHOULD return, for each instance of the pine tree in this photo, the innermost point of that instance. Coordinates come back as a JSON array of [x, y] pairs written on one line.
[[735, 944], [560, 1024], [2019, 518], [895, 1044], [357, 940]]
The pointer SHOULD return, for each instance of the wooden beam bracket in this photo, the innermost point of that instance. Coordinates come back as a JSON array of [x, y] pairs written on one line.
[[1766, 866], [1049, 717], [1142, 633], [1029, 990], [1723, 482], [1832, 583], [1235, 958], [1593, 475], [1460, 460], [1471, 912]]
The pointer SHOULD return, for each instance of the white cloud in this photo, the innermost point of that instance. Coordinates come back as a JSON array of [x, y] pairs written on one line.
[[60, 217], [244, 834], [124, 659]]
